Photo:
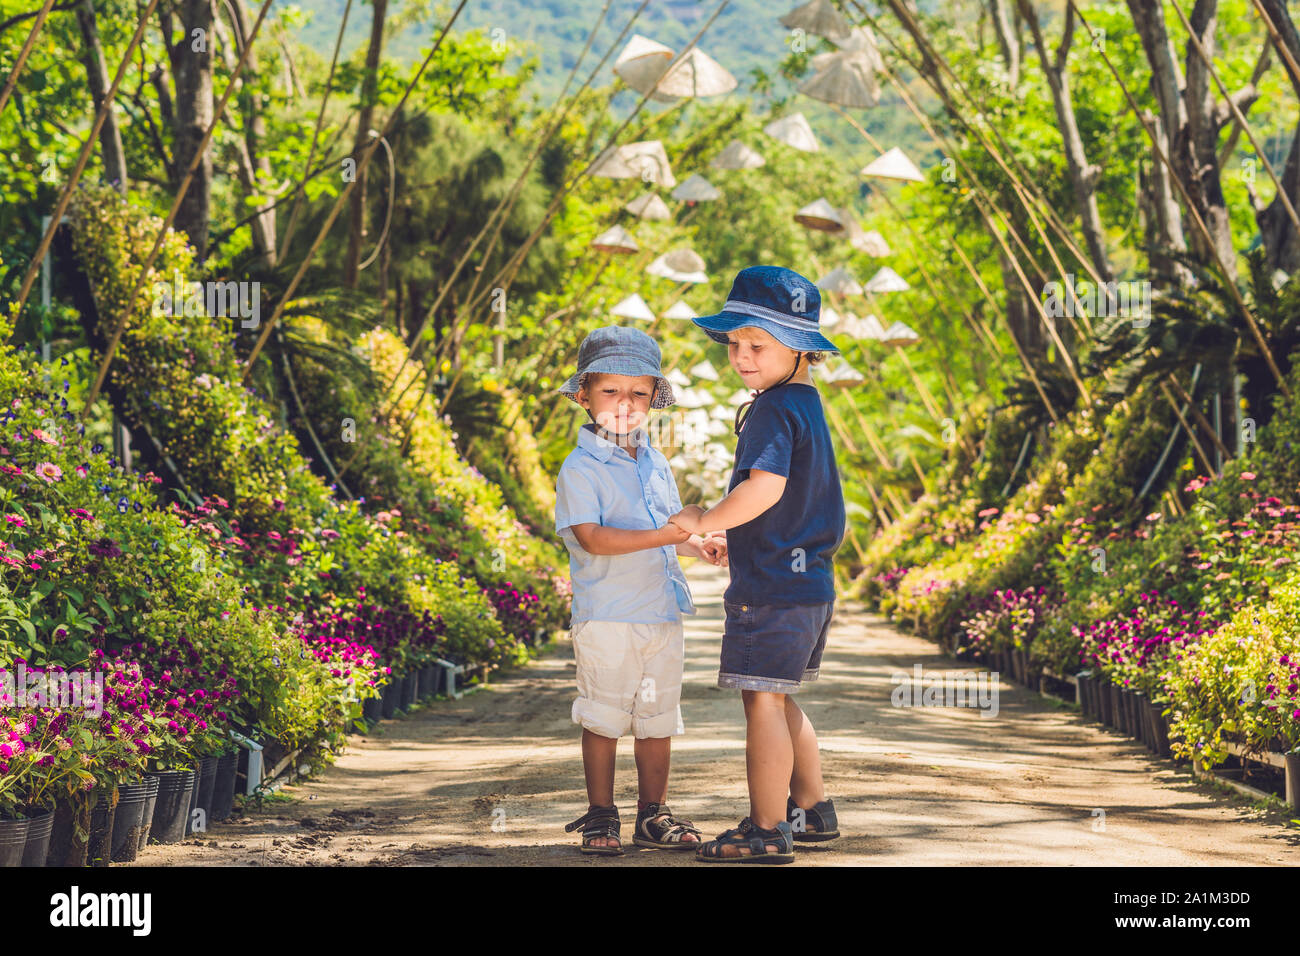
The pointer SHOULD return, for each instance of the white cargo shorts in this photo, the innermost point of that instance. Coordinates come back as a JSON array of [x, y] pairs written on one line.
[[629, 678]]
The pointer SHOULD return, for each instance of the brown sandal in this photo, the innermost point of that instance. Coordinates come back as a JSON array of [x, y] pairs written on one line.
[[658, 829], [599, 822]]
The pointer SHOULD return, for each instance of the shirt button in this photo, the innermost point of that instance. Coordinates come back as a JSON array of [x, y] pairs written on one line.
[[744, 607]]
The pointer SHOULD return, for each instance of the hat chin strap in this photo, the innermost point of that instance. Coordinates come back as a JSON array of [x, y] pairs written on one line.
[[740, 417]]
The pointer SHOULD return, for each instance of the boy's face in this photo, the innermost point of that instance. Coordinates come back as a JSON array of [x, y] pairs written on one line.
[[759, 359], [619, 403]]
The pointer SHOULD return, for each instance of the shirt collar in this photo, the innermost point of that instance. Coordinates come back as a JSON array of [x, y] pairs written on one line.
[[601, 448]]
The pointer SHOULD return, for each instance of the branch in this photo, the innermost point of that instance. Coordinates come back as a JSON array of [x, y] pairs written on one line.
[[20, 17]]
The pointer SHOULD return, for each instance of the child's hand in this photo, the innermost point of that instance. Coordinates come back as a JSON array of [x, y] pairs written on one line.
[[688, 519], [677, 533], [715, 548]]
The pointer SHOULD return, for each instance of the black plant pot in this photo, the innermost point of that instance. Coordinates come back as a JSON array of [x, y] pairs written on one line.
[[129, 821], [67, 847], [412, 695], [13, 840], [372, 709], [1086, 706], [1159, 728], [37, 847], [1140, 719], [428, 680], [223, 787], [150, 804], [99, 852], [1104, 688], [392, 693], [172, 809], [202, 797]]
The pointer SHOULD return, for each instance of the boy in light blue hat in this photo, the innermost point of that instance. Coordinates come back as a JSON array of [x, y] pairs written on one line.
[[785, 512], [613, 497]]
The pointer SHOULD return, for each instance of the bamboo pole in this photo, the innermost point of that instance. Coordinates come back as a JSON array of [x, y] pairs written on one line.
[[26, 51]]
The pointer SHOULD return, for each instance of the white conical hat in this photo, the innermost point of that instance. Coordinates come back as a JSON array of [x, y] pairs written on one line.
[[696, 74], [739, 397], [839, 281], [694, 398], [860, 328], [615, 240], [841, 374], [649, 206], [872, 243], [633, 307], [861, 40], [697, 189], [706, 371], [642, 63], [886, 280], [819, 17], [845, 79], [645, 160], [794, 131], [893, 165], [680, 265], [738, 156], [722, 413], [680, 310], [820, 215], [678, 377], [829, 317], [899, 334]]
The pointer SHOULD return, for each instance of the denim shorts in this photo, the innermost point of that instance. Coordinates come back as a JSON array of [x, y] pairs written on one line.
[[770, 648]]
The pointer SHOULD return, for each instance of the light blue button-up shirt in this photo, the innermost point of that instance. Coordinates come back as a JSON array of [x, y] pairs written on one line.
[[603, 484]]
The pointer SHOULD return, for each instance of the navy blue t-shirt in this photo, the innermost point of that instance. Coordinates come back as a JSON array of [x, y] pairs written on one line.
[[783, 557]]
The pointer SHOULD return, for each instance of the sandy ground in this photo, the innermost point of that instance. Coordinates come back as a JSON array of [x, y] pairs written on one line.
[[491, 779]]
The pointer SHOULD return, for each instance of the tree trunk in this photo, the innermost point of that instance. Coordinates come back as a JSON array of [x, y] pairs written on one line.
[[92, 56], [357, 201], [1281, 244], [1008, 41], [191, 61], [1083, 175]]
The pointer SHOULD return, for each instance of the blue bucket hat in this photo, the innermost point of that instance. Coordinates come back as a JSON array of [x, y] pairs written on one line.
[[616, 350], [779, 301]]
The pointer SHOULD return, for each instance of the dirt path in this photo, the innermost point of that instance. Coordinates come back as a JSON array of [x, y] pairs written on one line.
[[492, 778]]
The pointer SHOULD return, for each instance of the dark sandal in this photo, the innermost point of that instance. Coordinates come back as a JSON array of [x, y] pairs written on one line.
[[598, 822], [665, 833], [817, 825], [756, 839]]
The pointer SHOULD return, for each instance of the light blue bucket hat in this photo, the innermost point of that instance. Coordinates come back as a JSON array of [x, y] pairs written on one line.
[[616, 350]]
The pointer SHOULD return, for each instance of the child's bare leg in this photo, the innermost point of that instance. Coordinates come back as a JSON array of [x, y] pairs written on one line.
[[598, 765], [652, 760], [806, 786], [769, 761]]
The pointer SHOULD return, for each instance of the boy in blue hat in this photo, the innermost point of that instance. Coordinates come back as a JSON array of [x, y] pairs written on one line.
[[784, 511], [613, 497]]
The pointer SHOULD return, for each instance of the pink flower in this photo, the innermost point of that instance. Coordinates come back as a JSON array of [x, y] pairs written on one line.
[[49, 472], [14, 519], [1247, 476]]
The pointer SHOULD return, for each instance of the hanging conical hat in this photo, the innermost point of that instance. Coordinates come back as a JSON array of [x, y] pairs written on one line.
[[644, 160], [861, 40], [738, 156], [886, 280], [829, 317], [845, 79], [739, 397], [706, 371], [714, 429], [841, 374], [642, 63], [696, 74], [872, 243], [819, 17], [859, 328], [839, 281], [649, 206], [794, 131], [678, 377], [820, 215], [694, 398], [680, 265], [680, 310], [899, 334], [893, 165], [616, 240], [722, 413], [697, 189], [633, 307]]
